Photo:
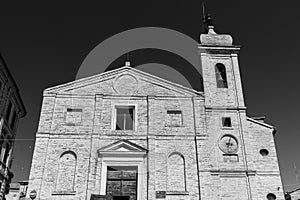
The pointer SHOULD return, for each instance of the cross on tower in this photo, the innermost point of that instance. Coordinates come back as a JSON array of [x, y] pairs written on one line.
[[207, 19]]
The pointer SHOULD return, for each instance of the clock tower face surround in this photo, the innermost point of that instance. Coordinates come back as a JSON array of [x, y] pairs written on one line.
[[228, 144]]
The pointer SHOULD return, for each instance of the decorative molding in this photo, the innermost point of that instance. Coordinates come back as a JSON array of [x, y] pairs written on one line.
[[57, 192], [126, 84], [114, 73], [233, 173], [177, 193]]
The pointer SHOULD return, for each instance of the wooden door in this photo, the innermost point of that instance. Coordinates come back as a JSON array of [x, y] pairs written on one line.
[[122, 182]]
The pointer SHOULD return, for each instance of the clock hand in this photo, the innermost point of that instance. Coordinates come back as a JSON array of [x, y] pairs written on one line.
[[228, 144]]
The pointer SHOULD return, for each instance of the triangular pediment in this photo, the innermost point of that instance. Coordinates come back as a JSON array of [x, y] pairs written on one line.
[[123, 81], [123, 146]]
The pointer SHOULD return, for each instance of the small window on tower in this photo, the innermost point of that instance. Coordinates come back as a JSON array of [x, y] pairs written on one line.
[[125, 118], [73, 116], [221, 76], [226, 122], [174, 117]]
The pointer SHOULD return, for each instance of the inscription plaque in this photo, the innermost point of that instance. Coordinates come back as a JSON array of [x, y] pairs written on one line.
[[233, 158]]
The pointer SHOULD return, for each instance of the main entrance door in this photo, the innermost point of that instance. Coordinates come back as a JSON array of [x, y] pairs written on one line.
[[122, 182]]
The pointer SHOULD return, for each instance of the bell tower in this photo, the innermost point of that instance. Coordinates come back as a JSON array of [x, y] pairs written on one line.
[[225, 112], [231, 147], [221, 76]]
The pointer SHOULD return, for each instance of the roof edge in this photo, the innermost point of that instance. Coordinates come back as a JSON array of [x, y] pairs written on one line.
[[262, 124], [84, 79], [90, 78]]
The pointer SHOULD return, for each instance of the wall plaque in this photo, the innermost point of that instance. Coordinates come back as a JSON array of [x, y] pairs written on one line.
[[100, 197], [233, 158], [160, 194]]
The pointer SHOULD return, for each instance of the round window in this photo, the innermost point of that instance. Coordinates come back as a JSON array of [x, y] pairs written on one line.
[[264, 152]]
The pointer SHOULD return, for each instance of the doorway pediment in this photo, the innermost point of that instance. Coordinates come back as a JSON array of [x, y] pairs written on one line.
[[122, 147]]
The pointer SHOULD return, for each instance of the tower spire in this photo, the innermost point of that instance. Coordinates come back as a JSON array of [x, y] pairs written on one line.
[[207, 19], [203, 12]]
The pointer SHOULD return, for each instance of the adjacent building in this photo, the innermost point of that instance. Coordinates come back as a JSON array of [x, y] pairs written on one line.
[[126, 134], [293, 195], [11, 110], [17, 191]]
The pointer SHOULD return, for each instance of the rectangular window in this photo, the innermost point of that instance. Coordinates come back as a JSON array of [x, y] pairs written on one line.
[[1, 143], [73, 116], [8, 111], [174, 118], [125, 118], [226, 122], [13, 120]]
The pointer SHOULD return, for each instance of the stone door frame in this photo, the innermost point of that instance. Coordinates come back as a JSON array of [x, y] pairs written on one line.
[[123, 153]]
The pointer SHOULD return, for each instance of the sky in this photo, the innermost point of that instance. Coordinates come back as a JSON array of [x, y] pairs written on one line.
[[45, 44]]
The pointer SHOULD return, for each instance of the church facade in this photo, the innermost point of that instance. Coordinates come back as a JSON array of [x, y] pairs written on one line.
[[126, 134]]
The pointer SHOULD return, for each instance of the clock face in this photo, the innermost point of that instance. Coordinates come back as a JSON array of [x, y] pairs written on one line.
[[228, 144]]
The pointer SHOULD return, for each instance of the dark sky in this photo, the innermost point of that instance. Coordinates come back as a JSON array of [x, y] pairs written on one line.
[[45, 44]]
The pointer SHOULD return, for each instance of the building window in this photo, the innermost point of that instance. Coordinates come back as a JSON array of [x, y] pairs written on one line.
[[8, 111], [221, 75], [5, 149], [6, 153], [13, 120], [125, 118], [226, 121], [1, 141], [74, 116], [174, 117], [176, 173], [264, 152], [66, 172]]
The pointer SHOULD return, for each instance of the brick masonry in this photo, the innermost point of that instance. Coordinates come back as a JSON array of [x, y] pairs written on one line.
[[184, 160]]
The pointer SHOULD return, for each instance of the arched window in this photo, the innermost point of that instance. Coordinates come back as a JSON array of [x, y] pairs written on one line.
[[66, 172], [176, 173], [221, 75]]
